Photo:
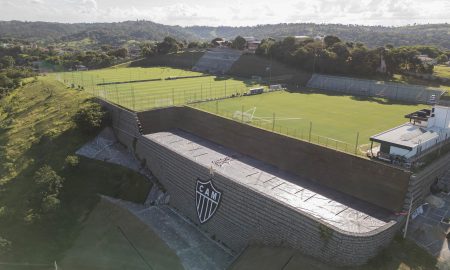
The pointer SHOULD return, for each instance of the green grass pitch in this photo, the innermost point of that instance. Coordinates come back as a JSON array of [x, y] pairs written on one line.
[[160, 93], [336, 117]]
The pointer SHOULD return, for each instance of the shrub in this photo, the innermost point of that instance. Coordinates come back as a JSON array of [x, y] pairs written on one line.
[[50, 203], [31, 217], [91, 118], [3, 212], [5, 245], [48, 181], [72, 161]]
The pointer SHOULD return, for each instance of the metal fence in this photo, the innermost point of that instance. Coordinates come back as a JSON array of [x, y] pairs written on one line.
[[134, 93], [372, 88], [275, 124], [202, 96]]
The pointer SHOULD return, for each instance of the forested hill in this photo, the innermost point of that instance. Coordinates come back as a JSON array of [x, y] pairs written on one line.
[[110, 33], [372, 36], [106, 33]]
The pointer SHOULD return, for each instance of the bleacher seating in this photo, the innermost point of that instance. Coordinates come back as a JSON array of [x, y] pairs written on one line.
[[217, 60], [389, 90]]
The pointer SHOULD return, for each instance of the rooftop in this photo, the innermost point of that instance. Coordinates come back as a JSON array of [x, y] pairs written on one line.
[[406, 136], [332, 208]]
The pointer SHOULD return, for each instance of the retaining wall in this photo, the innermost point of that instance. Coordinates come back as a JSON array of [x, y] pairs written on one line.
[[374, 182], [246, 216]]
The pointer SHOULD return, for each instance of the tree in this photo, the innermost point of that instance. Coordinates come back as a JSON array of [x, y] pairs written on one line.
[[148, 49], [91, 118], [443, 58], [50, 203], [239, 43], [216, 41], [7, 61], [121, 53], [48, 181], [5, 245], [168, 45], [330, 41]]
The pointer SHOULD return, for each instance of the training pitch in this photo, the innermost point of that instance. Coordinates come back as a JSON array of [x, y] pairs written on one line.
[[146, 88], [333, 119]]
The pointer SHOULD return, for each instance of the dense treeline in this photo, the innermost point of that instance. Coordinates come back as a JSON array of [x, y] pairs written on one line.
[[334, 56], [373, 36], [21, 61], [118, 33], [102, 33], [14, 66]]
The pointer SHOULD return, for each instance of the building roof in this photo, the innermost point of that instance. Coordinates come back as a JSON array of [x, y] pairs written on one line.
[[406, 136], [346, 213]]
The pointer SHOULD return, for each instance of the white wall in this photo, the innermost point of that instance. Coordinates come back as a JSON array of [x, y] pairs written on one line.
[[441, 118]]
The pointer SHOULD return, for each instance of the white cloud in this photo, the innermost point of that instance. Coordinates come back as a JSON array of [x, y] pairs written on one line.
[[230, 12]]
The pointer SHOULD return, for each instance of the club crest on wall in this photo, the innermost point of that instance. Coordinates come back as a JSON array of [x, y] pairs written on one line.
[[207, 199]]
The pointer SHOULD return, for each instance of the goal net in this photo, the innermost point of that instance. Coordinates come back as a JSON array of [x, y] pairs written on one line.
[[245, 116]]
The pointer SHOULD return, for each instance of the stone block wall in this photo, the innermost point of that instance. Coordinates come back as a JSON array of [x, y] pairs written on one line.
[[374, 182], [246, 216]]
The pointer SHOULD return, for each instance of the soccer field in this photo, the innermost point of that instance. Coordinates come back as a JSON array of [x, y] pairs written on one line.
[[145, 88], [334, 120]]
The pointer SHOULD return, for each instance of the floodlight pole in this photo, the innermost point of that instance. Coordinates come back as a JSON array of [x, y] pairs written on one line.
[[273, 122], [310, 131], [357, 141]]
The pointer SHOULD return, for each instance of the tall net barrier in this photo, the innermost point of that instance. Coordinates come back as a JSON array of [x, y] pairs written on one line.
[[139, 91], [372, 88]]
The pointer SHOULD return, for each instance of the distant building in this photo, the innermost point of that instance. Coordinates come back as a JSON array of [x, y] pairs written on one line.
[[251, 44], [81, 68], [425, 59], [382, 68], [425, 130]]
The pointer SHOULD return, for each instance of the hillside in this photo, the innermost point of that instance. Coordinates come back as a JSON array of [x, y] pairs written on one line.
[[117, 33], [103, 33], [38, 131], [372, 36]]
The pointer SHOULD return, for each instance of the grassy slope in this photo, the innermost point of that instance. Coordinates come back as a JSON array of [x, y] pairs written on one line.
[[338, 117], [411, 80], [112, 250], [37, 129], [442, 71], [400, 255]]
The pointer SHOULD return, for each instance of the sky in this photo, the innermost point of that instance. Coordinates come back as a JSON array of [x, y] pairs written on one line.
[[230, 12]]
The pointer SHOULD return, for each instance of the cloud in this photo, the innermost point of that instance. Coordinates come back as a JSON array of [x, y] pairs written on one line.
[[231, 12]]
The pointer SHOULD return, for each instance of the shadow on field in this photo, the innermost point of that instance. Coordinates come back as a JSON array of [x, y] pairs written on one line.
[[399, 255], [383, 101]]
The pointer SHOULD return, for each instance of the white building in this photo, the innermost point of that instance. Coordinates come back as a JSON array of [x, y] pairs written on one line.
[[426, 128]]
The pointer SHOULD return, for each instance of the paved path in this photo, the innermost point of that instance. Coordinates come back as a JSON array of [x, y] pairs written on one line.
[[428, 230]]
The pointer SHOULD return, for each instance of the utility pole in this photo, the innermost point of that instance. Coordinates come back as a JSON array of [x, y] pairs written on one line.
[[407, 218]]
